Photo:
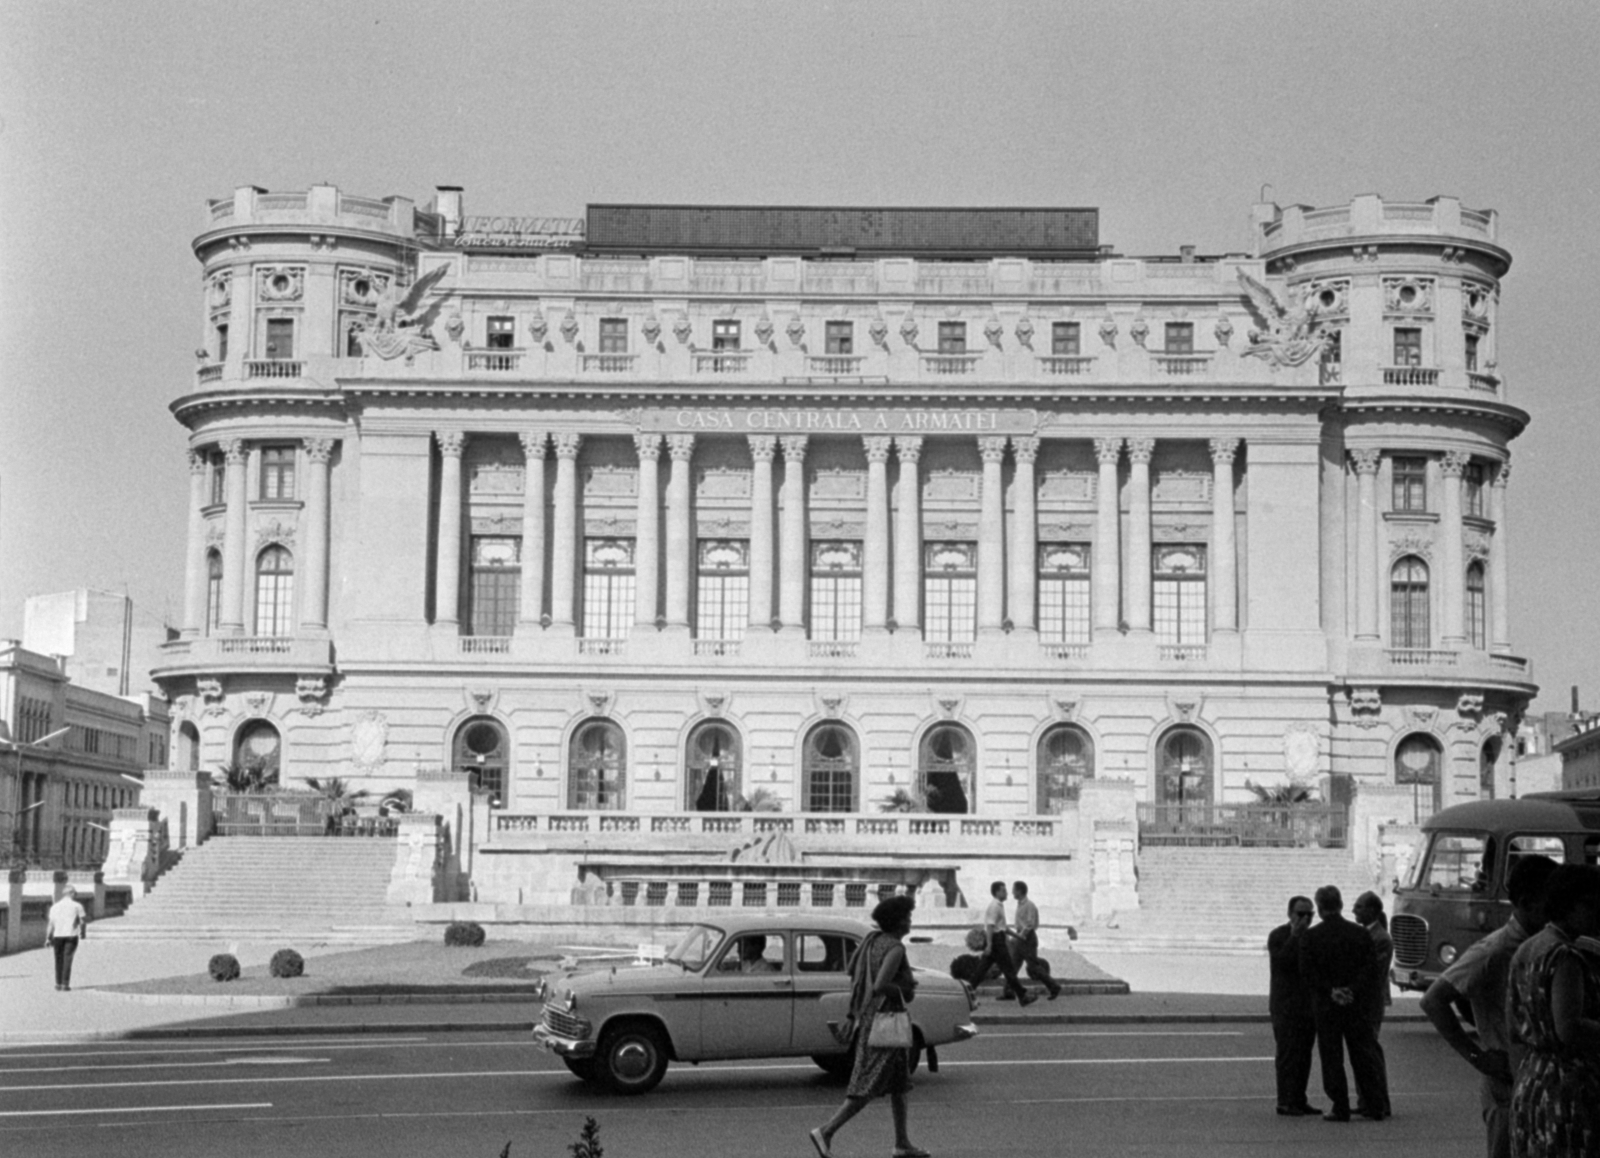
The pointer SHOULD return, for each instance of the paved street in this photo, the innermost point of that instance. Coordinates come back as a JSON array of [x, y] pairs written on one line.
[[1150, 1089]]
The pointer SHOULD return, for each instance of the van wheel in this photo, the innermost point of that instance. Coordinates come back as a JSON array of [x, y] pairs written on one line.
[[835, 1065], [632, 1058]]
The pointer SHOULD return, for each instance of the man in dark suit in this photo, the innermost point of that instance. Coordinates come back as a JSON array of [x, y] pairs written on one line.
[[1337, 962], [1293, 1026]]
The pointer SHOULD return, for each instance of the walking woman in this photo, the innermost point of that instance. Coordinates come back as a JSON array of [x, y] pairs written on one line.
[[1554, 1010], [881, 981]]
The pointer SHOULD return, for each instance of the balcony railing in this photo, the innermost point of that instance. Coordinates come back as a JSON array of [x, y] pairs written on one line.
[[835, 363], [208, 374], [1181, 365], [485, 645], [608, 363], [947, 650], [942, 364], [255, 645], [832, 648], [1180, 652], [1330, 373], [1410, 376], [245, 652], [1421, 657], [602, 646], [274, 368], [1488, 383], [890, 827], [723, 647], [722, 362], [494, 361], [1249, 825], [1067, 365], [1067, 650]]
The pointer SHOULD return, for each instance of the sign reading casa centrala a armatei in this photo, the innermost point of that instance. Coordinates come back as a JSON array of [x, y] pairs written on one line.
[[763, 420]]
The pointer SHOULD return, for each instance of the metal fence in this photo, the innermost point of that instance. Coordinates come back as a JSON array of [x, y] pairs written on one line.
[[1244, 825]]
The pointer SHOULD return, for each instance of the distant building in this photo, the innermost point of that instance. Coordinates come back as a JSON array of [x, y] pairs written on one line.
[[1580, 754], [107, 647]]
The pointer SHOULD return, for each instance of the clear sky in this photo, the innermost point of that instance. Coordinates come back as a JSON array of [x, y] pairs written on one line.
[[118, 119]]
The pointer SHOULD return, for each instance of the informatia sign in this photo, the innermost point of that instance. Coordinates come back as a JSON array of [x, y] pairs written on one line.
[[520, 233]]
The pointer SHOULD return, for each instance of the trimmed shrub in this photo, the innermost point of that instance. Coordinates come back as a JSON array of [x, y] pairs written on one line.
[[468, 933], [965, 968], [224, 967], [287, 963]]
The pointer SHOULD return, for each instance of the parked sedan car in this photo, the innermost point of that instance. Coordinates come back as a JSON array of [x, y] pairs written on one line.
[[745, 987]]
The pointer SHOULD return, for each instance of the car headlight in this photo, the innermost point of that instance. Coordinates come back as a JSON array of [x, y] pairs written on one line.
[[572, 1001], [1447, 953]]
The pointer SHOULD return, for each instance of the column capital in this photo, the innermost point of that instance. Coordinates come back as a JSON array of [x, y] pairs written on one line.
[[794, 447], [197, 462], [680, 447], [1365, 461], [232, 450], [535, 443], [1503, 475], [1454, 463], [318, 450], [450, 442], [1025, 449], [1107, 451], [992, 449], [648, 447], [877, 446], [763, 447], [908, 447], [567, 443], [1223, 450], [1141, 449]]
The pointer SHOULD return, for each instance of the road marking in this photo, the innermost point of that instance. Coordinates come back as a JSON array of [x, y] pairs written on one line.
[[984, 1035], [135, 1110], [227, 1061], [374, 1042]]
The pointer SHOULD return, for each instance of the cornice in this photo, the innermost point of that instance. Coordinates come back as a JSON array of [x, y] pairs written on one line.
[[1501, 414], [214, 237], [1488, 249], [192, 405]]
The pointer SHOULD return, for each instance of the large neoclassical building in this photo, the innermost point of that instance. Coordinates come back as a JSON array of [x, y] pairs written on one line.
[[683, 510]]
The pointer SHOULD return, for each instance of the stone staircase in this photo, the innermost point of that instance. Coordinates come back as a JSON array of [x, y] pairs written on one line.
[[1220, 900], [311, 889]]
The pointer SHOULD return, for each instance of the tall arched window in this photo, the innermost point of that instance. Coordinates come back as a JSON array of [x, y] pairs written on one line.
[[1477, 612], [1488, 757], [945, 764], [713, 762], [188, 748], [597, 767], [213, 591], [1066, 760], [1408, 604], [1185, 767], [483, 751], [257, 752], [830, 768], [275, 592], [1418, 762]]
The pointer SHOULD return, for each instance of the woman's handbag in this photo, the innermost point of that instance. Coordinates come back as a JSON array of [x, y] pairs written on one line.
[[891, 1029]]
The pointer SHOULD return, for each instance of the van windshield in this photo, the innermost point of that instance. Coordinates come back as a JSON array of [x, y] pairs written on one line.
[[1456, 863]]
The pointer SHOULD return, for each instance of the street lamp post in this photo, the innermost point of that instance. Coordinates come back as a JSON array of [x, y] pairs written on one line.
[[17, 814]]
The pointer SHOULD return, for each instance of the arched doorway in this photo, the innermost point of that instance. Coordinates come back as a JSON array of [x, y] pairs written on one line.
[[483, 751], [1419, 763], [1488, 757], [945, 763], [713, 762], [1186, 770], [1066, 760], [257, 754], [597, 767], [830, 766]]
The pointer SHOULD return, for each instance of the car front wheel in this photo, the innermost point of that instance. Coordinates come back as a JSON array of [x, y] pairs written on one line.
[[583, 1067], [632, 1058], [835, 1065]]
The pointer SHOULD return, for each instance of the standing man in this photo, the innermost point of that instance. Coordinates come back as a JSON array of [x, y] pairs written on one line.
[[1027, 926], [1374, 1002], [998, 952], [1479, 975], [1337, 961], [66, 925], [1294, 1028]]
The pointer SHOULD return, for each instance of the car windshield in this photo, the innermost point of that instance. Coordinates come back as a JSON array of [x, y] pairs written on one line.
[[696, 946]]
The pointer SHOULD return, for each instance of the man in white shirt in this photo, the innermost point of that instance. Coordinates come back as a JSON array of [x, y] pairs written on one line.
[[998, 951], [65, 927], [1027, 924]]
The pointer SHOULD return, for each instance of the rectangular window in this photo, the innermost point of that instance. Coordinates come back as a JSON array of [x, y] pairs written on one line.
[[1477, 611], [494, 594], [219, 479], [280, 338], [836, 590], [613, 335], [1179, 602], [277, 472], [1410, 489], [1064, 611], [1472, 353], [222, 341], [1407, 346], [1180, 338], [841, 338], [952, 337], [950, 592], [1472, 490], [608, 588], [1066, 339], [725, 335], [722, 610], [213, 592], [502, 333]]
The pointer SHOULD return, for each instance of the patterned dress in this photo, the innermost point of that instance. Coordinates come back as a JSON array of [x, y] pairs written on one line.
[[1555, 1104], [879, 1071]]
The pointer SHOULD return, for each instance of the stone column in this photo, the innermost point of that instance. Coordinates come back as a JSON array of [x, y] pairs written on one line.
[[991, 538], [447, 586], [762, 449], [194, 560], [1224, 553], [1024, 534], [908, 535], [792, 556], [1107, 534], [680, 533], [1140, 451], [875, 555], [530, 599], [319, 452], [1499, 559], [1366, 466], [564, 540], [1452, 558], [647, 536], [235, 551]]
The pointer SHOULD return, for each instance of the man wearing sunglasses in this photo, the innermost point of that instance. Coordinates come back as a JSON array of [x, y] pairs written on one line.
[[1293, 1026]]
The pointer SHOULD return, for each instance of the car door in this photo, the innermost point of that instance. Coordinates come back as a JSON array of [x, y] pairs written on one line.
[[821, 988], [747, 998]]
